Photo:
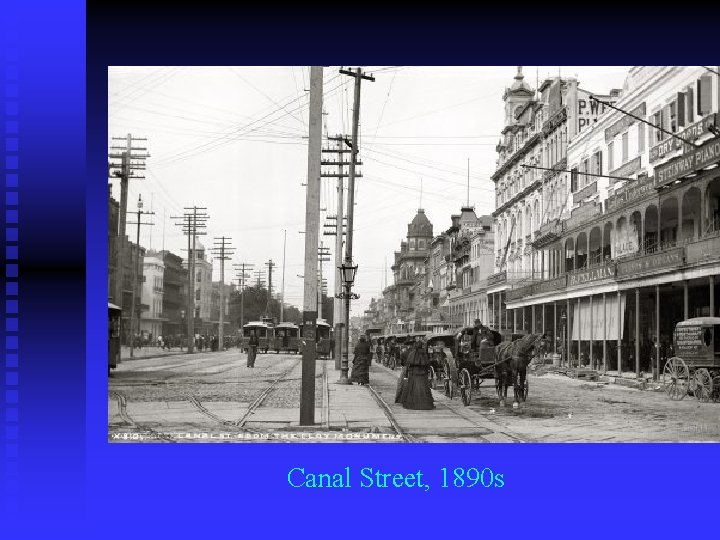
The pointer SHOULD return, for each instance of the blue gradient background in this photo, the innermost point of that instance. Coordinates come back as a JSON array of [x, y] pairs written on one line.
[[72, 483]]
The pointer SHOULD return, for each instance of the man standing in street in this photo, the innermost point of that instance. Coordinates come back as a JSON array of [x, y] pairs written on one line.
[[253, 344]]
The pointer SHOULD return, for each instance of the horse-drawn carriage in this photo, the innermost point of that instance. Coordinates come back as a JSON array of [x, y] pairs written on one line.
[[441, 348], [696, 368], [478, 356]]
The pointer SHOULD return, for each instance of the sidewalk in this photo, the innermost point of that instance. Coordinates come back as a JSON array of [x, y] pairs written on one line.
[[356, 409]]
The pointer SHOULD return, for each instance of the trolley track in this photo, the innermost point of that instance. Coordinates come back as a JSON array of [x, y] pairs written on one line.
[[263, 395], [122, 407], [446, 405], [390, 416]]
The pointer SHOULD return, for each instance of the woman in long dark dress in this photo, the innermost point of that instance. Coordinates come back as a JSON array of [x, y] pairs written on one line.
[[416, 392], [361, 362]]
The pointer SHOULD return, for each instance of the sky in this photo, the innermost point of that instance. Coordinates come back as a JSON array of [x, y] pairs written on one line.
[[234, 140]]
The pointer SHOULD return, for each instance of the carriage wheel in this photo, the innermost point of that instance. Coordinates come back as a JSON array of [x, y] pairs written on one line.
[[715, 395], [465, 387], [676, 378], [431, 376], [449, 386], [703, 385]]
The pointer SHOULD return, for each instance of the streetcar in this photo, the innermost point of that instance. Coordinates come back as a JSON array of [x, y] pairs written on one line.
[[262, 330], [696, 368], [324, 338], [287, 338], [114, 313]]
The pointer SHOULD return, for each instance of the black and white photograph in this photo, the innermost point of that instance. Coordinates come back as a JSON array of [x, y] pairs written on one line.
[[387, 254]]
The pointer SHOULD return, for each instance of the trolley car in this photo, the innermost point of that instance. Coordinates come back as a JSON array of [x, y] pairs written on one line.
[[287, 338], [114, 313], [696, 368], [324, 338], [262, 330]]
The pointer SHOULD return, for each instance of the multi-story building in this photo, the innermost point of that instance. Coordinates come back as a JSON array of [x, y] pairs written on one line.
[[532, 183], [638, 248], [131, 265], [174, 295], [215, 307], [409, 271], [472, 258], [202, 289], [113, 247], [152, 318]]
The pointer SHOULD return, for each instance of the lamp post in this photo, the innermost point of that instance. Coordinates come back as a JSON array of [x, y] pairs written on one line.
[[347, 274], [183, 327], [563, 319]]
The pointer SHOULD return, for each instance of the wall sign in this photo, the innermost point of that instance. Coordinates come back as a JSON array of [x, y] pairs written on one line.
[[691, 133], [584, 193], [624, 123], [658, 261], [697, 158], [590, 275], [631, 167]]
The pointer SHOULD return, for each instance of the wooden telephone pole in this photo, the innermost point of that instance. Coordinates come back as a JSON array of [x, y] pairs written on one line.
[[358, 75], [338, 233], [190, 221], [242, 276], [132, 158], [312, 225], [136, 273], [223, 251]]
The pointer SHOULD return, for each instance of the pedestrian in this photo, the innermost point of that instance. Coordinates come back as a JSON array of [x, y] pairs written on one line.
[[253, 344], [416, 393], [361, 363]]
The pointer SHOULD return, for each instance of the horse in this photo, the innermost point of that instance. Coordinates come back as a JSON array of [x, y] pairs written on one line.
[[511, 361]]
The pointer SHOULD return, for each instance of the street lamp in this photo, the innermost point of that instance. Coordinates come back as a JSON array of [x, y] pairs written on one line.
[[347, 274], [566, 353]]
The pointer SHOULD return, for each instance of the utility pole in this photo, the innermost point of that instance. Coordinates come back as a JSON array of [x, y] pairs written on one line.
[[241, 275], [359, 76], [136, 273], [224, 252], [339, 232], [131, 159], [270, 264], [190, 221], [259, 281], [312, 225], [323, 256], [282, 300]]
